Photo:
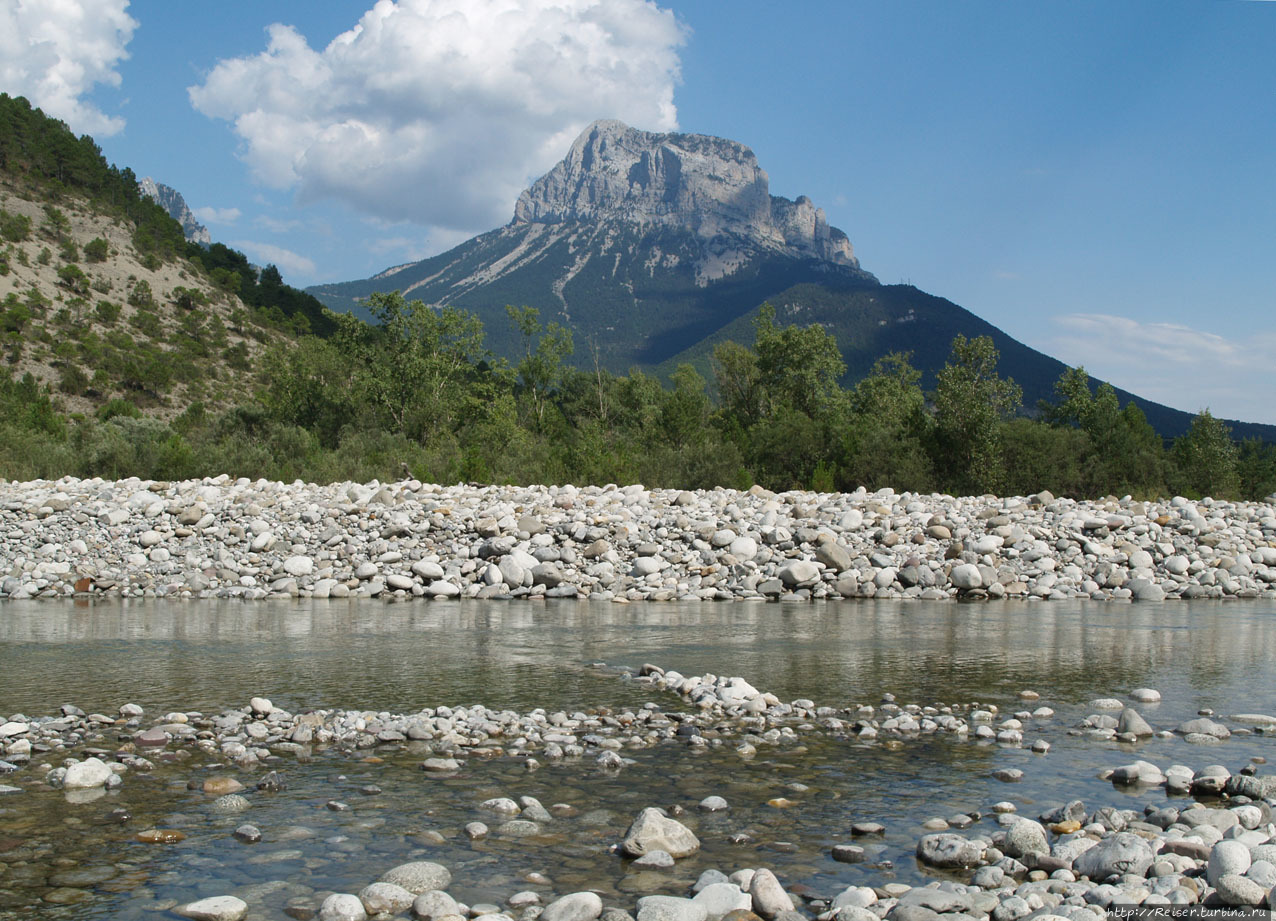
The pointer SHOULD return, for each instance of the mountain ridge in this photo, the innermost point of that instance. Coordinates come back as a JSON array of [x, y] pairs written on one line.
[[172, 201], [650, 246]]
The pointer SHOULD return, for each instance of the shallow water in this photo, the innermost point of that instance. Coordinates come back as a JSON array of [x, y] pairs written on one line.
[[401, 658]]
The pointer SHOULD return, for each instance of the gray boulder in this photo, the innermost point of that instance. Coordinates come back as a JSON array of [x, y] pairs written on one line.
[[418, 876], [1237, 890], [1131, 722], [769, 897], [652, 830], [578, 906], [1025, 837], [949, 851], [669, 908], [1116, 855], [1227, 858]]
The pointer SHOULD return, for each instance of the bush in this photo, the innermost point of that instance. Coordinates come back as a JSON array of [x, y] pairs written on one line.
[[117, 407], [188, 298], [69, 251], [55, 226], [107, 312], [96, 250], [147, 322], [73, 380], [140, 295], [14, 227], [74, 280]]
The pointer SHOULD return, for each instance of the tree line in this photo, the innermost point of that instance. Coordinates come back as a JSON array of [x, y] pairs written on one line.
[[417, 394]]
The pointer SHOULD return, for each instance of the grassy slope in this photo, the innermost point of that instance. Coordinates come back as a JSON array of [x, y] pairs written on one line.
[[211, 365]]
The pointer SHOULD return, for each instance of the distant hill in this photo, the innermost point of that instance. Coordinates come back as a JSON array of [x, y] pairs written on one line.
[[652, 248]]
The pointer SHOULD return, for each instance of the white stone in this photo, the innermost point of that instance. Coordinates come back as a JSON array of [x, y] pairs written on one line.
[[299, 566], [216, 908], [87, 774]]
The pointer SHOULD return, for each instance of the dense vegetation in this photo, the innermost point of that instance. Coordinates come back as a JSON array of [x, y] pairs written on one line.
[[417, 394]]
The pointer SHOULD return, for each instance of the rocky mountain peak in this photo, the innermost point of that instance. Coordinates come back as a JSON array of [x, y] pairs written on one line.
[[710, 186], [171, 201]]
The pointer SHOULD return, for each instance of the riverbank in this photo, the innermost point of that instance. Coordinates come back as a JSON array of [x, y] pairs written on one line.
[[223, 538]]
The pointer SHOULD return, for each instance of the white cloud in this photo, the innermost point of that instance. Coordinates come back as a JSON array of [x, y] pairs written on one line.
[[284, 259], [1173, 364], [55, 51], [440, 111], [210, 215]]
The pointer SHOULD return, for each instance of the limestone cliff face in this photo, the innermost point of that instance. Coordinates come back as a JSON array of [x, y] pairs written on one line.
[[709, 186], [171, 201]]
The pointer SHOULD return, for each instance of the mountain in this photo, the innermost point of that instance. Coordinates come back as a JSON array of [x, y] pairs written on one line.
[[654, 247], [171, 201], [640, 242]]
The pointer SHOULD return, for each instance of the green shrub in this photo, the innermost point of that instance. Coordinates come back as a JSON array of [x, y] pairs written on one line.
[[74, 280], [140, 294], [73, 380], [55, 226], [117, 407], [107, 312], [147, 322], [15, 227], [188, 298], [96, 250]]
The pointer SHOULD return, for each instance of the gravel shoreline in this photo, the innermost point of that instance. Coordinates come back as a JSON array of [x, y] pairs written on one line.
[[224, 538]]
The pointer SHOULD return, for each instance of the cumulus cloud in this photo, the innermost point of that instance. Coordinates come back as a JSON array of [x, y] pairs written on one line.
[[210, 215], [55, 51], [440, 111], [1173, 364], [284, 259]]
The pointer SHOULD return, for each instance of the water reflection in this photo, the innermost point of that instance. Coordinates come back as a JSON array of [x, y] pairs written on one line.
[[209, 655]]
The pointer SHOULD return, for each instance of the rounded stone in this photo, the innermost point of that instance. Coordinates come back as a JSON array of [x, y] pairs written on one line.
[[966, 576], [342, 906], [435, 903], [385, 898], [87, 774], [1237, 890], [1116, 855], [670, 908], [418, 876], [299, 566], [1227, 858], [577, 906], [216, 908], [949, 851], [1026, 837], [769, 897]]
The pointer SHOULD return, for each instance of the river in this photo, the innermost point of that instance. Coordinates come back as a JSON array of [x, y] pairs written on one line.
[[209, 656]]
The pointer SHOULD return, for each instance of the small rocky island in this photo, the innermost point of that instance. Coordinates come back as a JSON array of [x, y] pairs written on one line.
[[228, 538]]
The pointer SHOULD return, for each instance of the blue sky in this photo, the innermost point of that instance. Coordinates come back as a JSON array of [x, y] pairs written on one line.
[[1095, 178]]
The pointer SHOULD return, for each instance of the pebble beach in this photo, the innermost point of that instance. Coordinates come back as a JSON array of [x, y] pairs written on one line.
[[225, 538]]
